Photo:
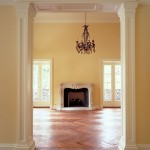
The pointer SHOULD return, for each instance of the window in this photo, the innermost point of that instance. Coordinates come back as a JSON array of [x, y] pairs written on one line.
[[41, 81], [111, 83]]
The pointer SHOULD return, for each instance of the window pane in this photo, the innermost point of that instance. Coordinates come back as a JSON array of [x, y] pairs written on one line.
[[117, 69], [107, 94], [107, 78], [117, 82], [35, 82], [118, 78], [117, 94], [107, 83], [45, 82], [107, 69], [117, 85]]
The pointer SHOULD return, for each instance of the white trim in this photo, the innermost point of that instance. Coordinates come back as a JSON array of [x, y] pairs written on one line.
[[127, 23], [101, 77], [30, 146], [136, 147], [12, 2], [22, 21], [144, 2], [25, 113], [143, 146], [7, 2], [50, 60], [74, 85], [131, 147], [7, 146], [94, 107], [74, 21], [111, 103]]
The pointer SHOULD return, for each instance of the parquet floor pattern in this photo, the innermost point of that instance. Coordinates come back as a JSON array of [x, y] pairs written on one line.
[[77, 130]]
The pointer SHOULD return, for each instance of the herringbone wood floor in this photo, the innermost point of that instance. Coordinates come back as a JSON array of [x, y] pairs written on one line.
[[77, 130]]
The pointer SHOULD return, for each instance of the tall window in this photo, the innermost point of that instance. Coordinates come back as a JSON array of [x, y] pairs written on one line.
[[41, 81], [111, 82]]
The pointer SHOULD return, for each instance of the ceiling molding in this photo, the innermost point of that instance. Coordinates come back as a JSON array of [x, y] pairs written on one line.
[[10, 2], [76, 17], [7, 2], [144, 2], [77, 7], [75, 21]]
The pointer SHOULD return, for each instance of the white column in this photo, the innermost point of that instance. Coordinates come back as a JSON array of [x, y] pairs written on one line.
[[25, 111], [127, 29]]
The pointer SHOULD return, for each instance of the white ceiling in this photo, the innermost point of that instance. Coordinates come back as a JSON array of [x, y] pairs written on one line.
[[75, 12]]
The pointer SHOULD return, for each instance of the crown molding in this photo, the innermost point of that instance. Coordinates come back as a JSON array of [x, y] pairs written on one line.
[[144, 2], [74, 21], [7, 2], [76, 17], [12, 2]]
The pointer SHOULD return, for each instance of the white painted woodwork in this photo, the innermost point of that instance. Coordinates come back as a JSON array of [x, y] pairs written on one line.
[[89, 86], [25, 122], [25, 112], [127, 25]]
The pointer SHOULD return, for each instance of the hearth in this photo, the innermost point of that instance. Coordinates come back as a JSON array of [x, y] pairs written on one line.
[[76, 96]]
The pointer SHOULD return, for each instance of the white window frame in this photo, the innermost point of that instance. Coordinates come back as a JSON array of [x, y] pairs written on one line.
[[50, 102], [107, 104]]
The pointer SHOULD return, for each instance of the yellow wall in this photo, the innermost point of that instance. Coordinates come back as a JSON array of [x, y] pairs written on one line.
[[57, 41], [8, 74], [143, 74]]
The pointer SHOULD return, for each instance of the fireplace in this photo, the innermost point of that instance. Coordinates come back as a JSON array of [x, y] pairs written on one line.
[[76, 96]]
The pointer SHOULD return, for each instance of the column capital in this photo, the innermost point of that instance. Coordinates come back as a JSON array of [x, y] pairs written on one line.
[[22, 9], [25, 9], [127, 9]]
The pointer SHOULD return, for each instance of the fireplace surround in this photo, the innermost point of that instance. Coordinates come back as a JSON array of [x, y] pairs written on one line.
[[76, 96]]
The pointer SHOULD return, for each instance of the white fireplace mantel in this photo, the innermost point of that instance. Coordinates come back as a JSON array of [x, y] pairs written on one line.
[[74, 85]]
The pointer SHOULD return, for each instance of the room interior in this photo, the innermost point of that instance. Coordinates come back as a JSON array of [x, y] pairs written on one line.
[[70, 64], [114, 40]]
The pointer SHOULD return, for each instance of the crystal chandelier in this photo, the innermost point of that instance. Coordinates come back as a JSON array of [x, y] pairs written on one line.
[[85, 46]]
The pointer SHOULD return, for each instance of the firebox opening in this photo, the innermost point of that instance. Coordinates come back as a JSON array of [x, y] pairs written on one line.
[[76, 97]]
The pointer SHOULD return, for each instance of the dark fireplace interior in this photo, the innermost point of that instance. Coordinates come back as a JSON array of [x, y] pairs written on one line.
[[76, 97]]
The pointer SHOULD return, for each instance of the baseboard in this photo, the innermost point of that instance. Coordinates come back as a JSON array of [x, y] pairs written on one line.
[[131, 147], [134, 147], [96, 107], [143, 146], [122, 146], [30, 146], [7, 146]]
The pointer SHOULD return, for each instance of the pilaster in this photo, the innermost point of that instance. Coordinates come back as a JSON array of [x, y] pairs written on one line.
[[127, 28], [25, 110]]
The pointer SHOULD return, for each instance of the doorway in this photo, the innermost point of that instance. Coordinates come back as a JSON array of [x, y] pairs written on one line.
[[42, 73], [127, 57], [111, 89]]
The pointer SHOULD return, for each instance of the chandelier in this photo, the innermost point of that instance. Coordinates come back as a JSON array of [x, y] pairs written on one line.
[[85, 46]]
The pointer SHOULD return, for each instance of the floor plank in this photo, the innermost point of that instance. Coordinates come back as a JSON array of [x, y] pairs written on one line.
[[76, 130]]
